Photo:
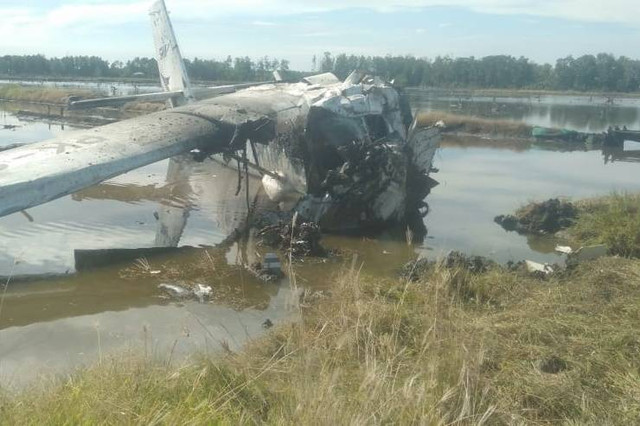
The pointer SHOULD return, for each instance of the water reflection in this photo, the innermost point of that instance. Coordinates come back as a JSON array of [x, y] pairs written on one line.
[[479, 182], [580, 113]]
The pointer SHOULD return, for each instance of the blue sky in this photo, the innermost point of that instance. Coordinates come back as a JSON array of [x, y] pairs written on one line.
[[297, 29]]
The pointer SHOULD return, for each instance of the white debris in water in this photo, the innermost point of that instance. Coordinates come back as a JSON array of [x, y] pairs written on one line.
[[175, 290], [564, 249], [539, 267], [202, 292]]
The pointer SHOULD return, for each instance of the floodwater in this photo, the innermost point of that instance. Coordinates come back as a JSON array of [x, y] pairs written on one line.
[[581, 113], [54, 318]]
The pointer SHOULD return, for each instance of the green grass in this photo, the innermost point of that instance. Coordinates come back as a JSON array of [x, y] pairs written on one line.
[[453, 347], [613, 220]]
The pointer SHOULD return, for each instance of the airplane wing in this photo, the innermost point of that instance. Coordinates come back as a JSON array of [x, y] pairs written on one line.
[[37, 173], [41, 172]]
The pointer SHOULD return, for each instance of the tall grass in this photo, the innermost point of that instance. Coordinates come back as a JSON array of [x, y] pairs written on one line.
[[613, 220], [455, 347], [53, 95], [475, 125]]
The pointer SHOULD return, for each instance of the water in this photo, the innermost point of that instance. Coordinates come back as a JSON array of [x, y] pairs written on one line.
[[581, 113], [61, 319]]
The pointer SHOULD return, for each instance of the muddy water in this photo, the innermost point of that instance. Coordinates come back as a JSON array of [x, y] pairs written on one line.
[[54, 318]]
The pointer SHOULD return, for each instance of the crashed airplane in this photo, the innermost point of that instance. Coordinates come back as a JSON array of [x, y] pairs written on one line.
[[344, 154]]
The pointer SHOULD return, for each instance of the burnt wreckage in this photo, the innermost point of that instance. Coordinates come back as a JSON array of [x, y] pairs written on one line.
[[347, 154]]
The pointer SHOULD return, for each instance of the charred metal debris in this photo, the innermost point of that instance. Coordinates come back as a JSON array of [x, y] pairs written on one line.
[[348, 154]]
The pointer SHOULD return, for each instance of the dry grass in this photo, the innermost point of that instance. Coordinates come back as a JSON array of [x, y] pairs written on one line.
[[451, 348], [53, 95], [476, 126]]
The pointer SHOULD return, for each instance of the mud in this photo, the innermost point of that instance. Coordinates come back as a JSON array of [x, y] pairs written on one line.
[[547, 217]]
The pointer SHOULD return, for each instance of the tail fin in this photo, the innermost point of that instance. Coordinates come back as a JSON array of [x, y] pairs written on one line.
[[173, 73]]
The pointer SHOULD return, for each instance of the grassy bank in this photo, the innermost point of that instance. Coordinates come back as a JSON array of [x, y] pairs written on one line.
[[451, 347], [476, 126], [51, 95], [613, 220]]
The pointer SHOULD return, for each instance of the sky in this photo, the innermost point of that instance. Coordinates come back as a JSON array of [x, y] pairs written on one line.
[[542, 30]]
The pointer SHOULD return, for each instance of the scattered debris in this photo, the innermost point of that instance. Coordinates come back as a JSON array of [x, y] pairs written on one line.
[[476, 264], [564, 249], [542, 269], [547, 217], [269, 270], [272, 264], [299, 240], [175, 291], [201, 292], [413, 270]]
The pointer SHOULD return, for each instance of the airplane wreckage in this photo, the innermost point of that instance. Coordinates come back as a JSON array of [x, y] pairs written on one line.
[[344, 154]]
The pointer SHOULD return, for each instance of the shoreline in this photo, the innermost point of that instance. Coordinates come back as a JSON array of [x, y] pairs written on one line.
[[458, 341], [523, 93]]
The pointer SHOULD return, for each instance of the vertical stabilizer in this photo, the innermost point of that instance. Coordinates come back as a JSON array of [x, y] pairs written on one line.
[[173, 73]]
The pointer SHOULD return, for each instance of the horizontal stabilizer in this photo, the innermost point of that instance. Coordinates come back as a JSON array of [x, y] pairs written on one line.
[[213, 91]]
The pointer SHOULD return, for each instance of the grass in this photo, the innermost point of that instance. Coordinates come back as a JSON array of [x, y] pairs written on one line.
[[453, 347], [476, 126], [16, 92], [612, 220]]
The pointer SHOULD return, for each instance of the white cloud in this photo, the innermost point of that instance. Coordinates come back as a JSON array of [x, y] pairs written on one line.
[[264, 24], [103, 12], [52, 29], [581, 10]]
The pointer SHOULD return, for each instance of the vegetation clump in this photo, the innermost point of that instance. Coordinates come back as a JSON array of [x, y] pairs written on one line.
[[613, 221], [547, 217]]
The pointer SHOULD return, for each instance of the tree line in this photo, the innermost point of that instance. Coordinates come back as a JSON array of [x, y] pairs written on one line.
[[241, 69], [601, 72]]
